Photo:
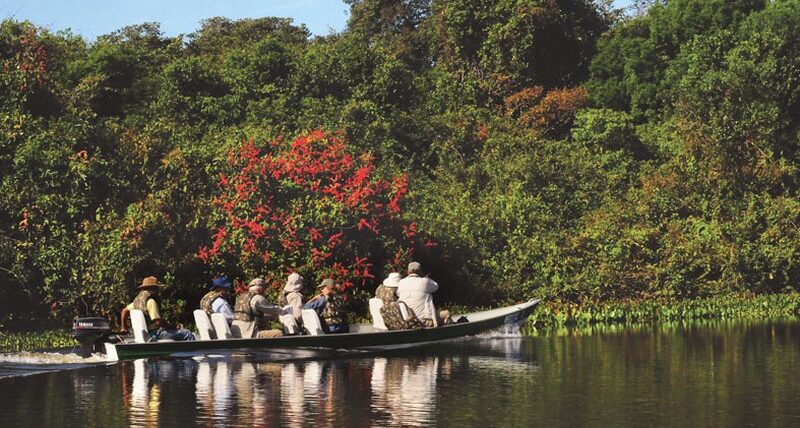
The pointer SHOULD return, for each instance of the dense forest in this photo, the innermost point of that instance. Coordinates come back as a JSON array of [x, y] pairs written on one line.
[[518, 148]]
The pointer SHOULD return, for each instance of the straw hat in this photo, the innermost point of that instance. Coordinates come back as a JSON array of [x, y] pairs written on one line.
[[151, 281]]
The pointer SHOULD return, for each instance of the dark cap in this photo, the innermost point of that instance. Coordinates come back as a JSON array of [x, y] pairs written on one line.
[[221, 282]]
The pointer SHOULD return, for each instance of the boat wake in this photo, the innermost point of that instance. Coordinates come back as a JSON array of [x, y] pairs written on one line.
[[503, 332], [26, 357], [30, 363]]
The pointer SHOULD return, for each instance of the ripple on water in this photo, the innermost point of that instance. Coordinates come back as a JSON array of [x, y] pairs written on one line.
[[28, 363], [505, 331]]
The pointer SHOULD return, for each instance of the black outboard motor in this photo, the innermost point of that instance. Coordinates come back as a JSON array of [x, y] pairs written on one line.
[[90, 333]]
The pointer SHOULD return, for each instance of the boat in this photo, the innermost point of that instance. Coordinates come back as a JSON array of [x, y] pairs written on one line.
[[362, 337]]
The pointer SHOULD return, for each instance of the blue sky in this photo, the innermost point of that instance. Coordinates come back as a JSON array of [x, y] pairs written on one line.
[[91, 18]]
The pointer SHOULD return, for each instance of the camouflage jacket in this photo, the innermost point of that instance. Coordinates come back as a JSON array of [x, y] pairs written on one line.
[[242, 310], [334, 311], [208, 299], [140, 303]]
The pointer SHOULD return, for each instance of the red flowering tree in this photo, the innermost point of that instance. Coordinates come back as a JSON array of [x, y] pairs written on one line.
[[309, 206]]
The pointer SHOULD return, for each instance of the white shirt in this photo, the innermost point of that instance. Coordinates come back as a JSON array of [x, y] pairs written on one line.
[[416, 291], [221, 306]]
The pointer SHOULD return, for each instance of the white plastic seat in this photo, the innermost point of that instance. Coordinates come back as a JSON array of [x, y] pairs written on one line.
[[404, 310], [204, 327], [221, 326], [288, 320], [375, 305], [139, 326], [311, 322], [432, 311]]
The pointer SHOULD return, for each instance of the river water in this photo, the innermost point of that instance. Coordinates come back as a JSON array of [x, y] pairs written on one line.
[[701, 375]]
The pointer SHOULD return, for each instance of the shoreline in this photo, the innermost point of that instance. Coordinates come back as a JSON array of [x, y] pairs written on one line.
[[555, 317], [558, 315]]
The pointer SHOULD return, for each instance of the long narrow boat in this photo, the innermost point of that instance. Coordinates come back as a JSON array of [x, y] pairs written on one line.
[[361, 337]]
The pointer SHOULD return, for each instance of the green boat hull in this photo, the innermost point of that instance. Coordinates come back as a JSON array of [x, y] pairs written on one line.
[[372, 340]]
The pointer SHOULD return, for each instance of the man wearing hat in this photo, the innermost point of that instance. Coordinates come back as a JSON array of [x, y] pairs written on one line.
[[147, 302], [215, 302], [390, 311], [330, 308], [251, 313], [387, 291], [292, 297], [417, 292]]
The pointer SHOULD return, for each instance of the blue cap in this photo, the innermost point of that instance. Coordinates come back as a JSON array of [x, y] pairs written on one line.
[[221, 282]]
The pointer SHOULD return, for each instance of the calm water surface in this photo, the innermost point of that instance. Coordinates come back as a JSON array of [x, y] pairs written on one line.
[[716, 374]]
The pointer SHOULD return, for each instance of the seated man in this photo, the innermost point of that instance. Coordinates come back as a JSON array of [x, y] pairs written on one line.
[[330, 308], [215, 301], [147, 302], [252, 313], [291, 296], [387, 291], [416, 291], [390, 311]]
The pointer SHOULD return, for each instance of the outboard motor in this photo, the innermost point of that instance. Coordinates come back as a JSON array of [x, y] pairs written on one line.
[[90, 333]]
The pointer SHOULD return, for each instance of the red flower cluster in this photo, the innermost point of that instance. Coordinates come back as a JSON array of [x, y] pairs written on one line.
[[30, 61], [309, 205]]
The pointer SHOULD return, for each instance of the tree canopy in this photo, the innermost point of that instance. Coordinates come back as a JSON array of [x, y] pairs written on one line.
[[517, 148]]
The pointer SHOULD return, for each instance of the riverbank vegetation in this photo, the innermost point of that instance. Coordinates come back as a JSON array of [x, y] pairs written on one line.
[[559, 318], [561, 315], [520, 148], [33, 341]]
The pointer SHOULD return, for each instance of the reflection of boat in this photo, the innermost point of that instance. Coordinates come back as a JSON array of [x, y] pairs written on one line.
[[404, 391], [361, 337], [142, 398]]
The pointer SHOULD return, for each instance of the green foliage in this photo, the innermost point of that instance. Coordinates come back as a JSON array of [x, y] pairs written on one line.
[[15, 342], [628, 72], [528, 42], [551, 316], [670, 174]]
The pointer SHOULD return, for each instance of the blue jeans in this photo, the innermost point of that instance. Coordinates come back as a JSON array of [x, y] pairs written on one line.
[[336, 328], [181, 334]]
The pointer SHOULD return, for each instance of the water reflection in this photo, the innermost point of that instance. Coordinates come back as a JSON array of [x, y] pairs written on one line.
[[404, 392], [141, 398], [737, 374], [240, 390]]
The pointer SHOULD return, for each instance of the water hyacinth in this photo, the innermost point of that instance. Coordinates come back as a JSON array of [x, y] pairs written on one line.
[[30, 341], [556, 315]]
